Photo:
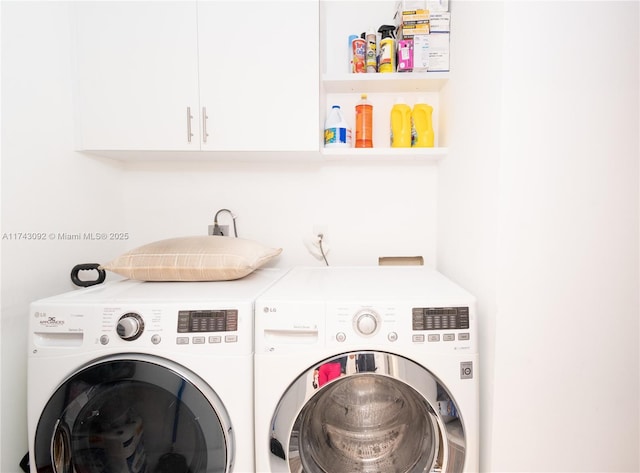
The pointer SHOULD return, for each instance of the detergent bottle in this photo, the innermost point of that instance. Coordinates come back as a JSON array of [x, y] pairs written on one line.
[[364, 123], [400, 125], [421, 118], [351, 52], [357, 54], [337, 133], [371, 61], [387, 54]]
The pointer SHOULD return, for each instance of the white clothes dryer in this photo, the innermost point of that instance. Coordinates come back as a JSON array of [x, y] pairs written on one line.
[[367, 369], [154, 377]]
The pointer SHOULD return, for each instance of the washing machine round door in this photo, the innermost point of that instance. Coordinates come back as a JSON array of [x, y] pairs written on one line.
[[132, 415], [385, 413]]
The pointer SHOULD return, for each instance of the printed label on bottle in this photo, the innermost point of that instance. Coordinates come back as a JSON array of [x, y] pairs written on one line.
[[358, 48], [337, 135]]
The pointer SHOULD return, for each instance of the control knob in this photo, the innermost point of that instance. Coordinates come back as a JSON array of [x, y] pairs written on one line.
[[130, 326], [366, 323]]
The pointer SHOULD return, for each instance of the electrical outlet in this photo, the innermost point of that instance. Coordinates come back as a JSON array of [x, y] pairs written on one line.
[[312, 242], [221, 230]]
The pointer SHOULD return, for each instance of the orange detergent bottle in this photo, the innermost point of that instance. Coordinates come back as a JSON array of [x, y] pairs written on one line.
[[364, 123]]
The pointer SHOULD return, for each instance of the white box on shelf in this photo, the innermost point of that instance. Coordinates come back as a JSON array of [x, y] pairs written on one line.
[[440, 22], [421, 53], [412, 5], [437, 5], [438, 52]]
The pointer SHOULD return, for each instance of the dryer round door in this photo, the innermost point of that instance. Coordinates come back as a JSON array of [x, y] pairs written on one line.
[[367, 412], [134, 414]]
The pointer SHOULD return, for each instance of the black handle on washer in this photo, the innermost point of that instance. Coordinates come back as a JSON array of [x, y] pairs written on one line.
[[102, 274]]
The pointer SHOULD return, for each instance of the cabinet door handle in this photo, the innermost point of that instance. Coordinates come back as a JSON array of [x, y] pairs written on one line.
[[204, 124], [189, 118]]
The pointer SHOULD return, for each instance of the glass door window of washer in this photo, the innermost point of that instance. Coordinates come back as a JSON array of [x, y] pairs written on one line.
[[133, 416], [368, 412]]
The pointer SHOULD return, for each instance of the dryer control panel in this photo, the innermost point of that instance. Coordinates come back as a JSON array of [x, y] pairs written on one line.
[[197, 321]]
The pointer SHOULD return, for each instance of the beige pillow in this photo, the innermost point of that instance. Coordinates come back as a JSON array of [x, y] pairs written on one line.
[[195, 258]]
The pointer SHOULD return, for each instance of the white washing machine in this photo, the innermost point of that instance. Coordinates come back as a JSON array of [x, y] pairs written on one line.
[[155, 377], [366, 369]]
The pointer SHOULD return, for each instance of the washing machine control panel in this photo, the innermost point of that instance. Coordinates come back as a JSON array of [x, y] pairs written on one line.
[[200, 327], [400, 323]]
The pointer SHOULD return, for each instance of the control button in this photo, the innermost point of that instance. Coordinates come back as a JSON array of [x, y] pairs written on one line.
[[466, 370], [156, 339], [198, 340], [463, 336], [182, 340], [449, 337], [341, 337], [366, 323], [418, 338], [215, 339], [231, 338], [434, 337], [104, 339], [392, 337]]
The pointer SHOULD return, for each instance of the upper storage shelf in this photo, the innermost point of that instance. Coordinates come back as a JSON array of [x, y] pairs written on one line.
[[339, 19], [399, 82]]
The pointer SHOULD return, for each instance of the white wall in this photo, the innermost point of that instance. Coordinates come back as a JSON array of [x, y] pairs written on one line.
[[568, 278], [369, 211], [535, 211], [45, 188], [551, 218], [468, 179]]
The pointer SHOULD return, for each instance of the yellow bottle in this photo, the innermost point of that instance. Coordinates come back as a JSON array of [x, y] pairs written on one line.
[[421, 117], [387, 52], [400, 125]]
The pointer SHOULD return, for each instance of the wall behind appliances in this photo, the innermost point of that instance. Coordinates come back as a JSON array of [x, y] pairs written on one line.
[[568, 320], [46, 187], [558, 208], [369, 210], [468, 180]]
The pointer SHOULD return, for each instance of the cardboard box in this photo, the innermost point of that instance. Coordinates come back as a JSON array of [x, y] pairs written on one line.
[[409, 31], [413, 5], [437, 5], [401, 261], [438, 52], [405, 55], [409, 17], [421, 53], [440, 22], [410, 11]]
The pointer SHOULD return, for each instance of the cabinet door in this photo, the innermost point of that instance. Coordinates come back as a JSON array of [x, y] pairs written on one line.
[[137, 70], [259, 74]]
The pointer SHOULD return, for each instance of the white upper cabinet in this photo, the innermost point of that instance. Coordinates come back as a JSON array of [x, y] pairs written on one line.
[[259, 74], [208, 75], [137, 74]]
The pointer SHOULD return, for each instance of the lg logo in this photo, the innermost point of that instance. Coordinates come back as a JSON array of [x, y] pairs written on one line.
[[269, 310]]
